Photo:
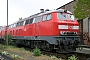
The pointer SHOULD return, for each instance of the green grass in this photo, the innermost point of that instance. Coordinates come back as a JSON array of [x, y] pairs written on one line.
[[73, 57], [22, 54], [37, 52], [5, 53]]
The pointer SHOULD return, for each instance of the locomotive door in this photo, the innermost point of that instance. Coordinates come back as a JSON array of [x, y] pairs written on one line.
[[37, 29], [37, 25]]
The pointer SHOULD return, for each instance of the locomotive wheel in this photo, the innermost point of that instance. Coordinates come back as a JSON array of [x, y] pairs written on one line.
[[27, 43], [35, 44], [13, 42], [68, 49], [32, 44], [46, 46], [64, 49], [60, 50], [43, 45]]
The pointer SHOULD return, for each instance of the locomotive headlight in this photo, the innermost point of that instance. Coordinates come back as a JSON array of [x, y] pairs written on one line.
[[75, 27], [62, 33], [75, 33], [62, 26]]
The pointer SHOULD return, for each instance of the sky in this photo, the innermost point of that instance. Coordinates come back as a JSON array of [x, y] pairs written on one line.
[[25, 8]]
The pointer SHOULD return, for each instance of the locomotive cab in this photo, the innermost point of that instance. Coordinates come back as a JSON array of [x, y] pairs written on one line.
[[67, 31], [66, 24]]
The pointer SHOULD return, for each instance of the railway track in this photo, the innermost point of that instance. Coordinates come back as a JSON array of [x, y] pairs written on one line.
[[4, 57], [79, 54], [82, 56]]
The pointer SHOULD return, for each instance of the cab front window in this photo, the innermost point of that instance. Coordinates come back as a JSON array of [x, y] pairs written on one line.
[[65, 16], [71, 16], [62, 16]]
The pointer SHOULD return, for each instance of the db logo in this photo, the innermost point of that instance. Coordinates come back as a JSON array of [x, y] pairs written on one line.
[[70, 27]]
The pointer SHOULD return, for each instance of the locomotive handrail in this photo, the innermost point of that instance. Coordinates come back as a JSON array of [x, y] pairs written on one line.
[[80, 48], [85, 46], [66, 36]]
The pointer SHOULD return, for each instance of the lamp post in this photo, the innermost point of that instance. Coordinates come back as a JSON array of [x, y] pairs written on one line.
[[7, 23]]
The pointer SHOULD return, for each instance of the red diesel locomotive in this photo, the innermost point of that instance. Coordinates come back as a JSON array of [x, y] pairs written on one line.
[[48, 30]]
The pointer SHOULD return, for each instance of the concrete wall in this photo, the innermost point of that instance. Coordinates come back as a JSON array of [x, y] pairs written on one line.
[[86, 31], [85, 25], [70, 6]]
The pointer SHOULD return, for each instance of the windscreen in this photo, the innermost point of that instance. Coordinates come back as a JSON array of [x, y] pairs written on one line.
[[71, 16], [65, 16]]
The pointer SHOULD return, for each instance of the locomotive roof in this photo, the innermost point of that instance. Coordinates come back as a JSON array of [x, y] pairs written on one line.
[[45, 12]]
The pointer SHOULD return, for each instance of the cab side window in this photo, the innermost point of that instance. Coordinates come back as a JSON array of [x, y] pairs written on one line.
[[21, 23], [27, 22], [31, 20], [44, 17], [38, 19], [47, 17], [14, 25]]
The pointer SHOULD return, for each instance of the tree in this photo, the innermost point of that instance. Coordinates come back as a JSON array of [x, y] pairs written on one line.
[[82, 9], [20, 18]]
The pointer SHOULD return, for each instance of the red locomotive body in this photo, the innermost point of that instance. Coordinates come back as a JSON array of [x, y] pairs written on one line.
[[47, 30], [3, 31]]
